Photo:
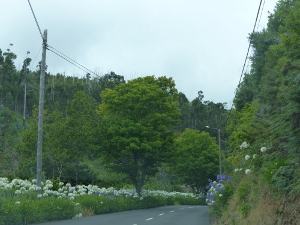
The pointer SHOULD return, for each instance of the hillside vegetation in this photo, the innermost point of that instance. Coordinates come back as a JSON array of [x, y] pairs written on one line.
[[263, 147]]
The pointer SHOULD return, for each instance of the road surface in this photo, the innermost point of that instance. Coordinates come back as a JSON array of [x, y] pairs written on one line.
[[167, 215]]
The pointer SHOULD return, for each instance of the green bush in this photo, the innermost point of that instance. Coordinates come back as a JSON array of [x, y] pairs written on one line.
[[270, 168], [27, 211], [20, 204], [226, 195]]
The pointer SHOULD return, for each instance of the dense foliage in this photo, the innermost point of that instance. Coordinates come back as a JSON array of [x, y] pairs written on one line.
[[22, 204], [271, 116], [95, 125], [263, 128], [198, 161], [136, 117]]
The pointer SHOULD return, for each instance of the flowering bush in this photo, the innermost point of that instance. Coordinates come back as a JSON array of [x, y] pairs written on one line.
[[252, 162], [67, 191], [24, 204], [216, 188], [218, 194]]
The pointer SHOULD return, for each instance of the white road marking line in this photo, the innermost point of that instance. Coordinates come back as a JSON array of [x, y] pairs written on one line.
[[171, 211], [149, 219], [161, 214]]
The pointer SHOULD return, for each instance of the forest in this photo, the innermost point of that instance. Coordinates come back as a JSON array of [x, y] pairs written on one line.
[[105, 130]]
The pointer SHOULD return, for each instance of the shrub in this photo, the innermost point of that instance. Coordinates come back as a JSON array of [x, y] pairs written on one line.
[[21, 204]]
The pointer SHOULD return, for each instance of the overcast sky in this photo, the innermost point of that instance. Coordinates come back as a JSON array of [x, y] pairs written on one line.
[[202, 44]]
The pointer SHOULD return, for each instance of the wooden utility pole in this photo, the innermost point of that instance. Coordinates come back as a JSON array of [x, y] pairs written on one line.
[[41, 113]]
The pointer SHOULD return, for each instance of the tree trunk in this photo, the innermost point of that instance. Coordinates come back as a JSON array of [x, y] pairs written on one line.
[[138, 180]]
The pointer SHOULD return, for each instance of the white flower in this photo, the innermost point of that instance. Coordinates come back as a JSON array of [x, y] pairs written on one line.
[[49, 182], [244, 145], [22, 189], [254, 156], [247, 157], [39, 196], [220, 195], [38, 188], [17, 192], [32, 188], [263, 149], [78, 215], [49, 186], [17, 202], [235, 170], [247, 171]]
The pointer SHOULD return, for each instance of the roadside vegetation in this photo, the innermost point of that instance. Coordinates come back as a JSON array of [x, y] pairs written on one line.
[[139, 140], [137, 137], [23, 202], [263, 154]]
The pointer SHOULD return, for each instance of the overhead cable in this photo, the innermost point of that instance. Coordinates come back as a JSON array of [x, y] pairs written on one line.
[[258, 11], [68, 59], [261, 12], [250, 43], [36, 20]]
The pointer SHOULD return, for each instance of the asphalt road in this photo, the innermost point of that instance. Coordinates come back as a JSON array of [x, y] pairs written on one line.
[[168, 215]]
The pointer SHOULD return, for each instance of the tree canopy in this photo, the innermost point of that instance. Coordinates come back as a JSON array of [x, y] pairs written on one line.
[[195, 159], [138, 116]]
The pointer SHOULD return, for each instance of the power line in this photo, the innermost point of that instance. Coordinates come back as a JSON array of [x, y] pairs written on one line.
[[257, 15], [261, 13], [68, 59], [55, 51], [36, 20], [250, 43]]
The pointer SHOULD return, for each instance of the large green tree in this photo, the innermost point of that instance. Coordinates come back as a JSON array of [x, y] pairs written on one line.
[[196, 159], [138, 115]]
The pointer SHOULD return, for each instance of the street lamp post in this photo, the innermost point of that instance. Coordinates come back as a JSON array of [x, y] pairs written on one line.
[[219, 139]]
